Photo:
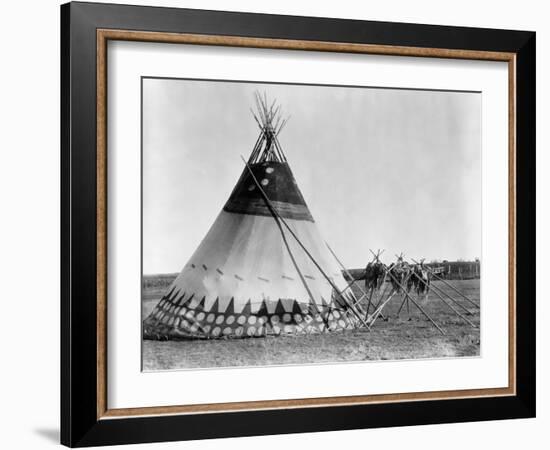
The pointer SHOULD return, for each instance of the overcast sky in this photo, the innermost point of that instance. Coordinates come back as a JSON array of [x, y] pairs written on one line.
[[378, 168]]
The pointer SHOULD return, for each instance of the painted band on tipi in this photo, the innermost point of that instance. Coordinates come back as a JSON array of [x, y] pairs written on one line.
[[263, 268]]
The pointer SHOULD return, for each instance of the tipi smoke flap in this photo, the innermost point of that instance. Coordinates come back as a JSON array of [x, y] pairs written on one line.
[[263, 268]]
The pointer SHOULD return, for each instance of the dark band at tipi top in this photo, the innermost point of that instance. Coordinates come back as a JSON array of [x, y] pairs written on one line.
[[263, 268]]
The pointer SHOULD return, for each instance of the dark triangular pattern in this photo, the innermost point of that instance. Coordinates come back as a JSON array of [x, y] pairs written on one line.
[[279, 309], [214, 307], [324, 303], [201, 303], [174, 295], [230, 308], [180, 301], [189, 300], [296, 309], [247, 308], [263, 309], [169, 294]]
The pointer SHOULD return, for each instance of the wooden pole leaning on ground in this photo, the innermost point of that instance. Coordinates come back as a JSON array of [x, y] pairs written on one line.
[[377, 258], [278, 216], [448, 304], [378, 311], [357, 302], [452, 287], [341, 264], [380, 296], [414, 303], [441, 291]]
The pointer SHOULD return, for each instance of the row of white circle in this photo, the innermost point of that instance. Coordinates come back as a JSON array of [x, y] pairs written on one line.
[[241, 320], [261, 330]]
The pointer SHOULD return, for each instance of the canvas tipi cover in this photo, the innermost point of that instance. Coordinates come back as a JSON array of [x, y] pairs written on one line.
[[262, 268]]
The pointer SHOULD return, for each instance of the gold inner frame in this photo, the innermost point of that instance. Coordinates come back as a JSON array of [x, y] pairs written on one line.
[[104, 35]]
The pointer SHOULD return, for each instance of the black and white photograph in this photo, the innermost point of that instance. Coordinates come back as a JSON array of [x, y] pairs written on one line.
[[303, 224]]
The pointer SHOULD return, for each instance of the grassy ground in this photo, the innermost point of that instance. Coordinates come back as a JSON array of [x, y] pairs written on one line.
[[394, 338]]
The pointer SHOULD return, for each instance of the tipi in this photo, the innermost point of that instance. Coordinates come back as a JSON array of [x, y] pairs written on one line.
[[263, 268]]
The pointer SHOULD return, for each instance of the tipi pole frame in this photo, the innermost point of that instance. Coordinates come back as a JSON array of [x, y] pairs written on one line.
[[414, 303], [436, 290], [441, 291], [277, 215], [451, 286], [377, 258]]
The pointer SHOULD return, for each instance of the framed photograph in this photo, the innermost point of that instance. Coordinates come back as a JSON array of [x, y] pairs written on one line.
[[277, 224]]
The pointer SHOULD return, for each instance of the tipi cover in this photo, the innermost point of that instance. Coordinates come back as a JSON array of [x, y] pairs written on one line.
[[262, 268]]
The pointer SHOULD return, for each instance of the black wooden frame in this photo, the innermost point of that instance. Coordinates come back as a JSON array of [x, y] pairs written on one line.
[[79, 423]]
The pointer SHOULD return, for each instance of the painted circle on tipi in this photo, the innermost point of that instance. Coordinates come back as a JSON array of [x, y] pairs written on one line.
[[336, 314], [241, 320], [287, 318], [275, 320], [200, 316], [216, 331], [251, 187], [252, 320], [265, 182], [229, 320], [260, 331], [227, 331], [269, 170], [251, 331], [210, 318], [239, 331], [297, 318], [219, 320]]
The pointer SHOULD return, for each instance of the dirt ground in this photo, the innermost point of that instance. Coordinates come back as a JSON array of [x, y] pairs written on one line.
[[391, 339]]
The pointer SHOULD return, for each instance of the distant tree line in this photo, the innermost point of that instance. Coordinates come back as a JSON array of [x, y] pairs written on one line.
[[159, 281], [457, 270]]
